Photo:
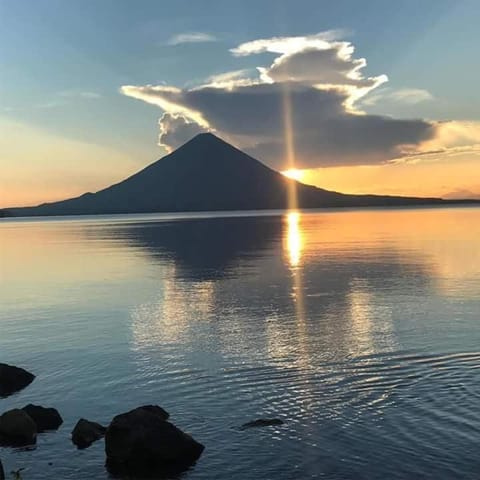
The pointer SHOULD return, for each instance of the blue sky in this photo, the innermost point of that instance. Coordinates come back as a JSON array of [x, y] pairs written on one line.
[[62, 63]]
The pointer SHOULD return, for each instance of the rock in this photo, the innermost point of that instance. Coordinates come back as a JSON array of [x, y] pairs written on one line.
[[13, 379], [142, 443], [262, 422], [2, 472], [85, 433], [17, 429], [44, 418]]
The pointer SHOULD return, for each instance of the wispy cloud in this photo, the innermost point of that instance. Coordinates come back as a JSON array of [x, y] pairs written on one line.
[[229, 79], [50, 104], [407, 96], [79, 94], [411, 95], [191, 37], [463, 193], [58, 100], [67, 97], [321, 41]]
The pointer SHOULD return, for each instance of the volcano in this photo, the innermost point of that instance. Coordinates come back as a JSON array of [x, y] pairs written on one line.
[[208, 174]]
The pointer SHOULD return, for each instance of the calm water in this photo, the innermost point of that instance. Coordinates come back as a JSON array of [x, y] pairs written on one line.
[[360, 329]]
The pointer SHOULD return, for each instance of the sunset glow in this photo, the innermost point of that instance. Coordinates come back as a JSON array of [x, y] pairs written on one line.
[[294, 173], [261, 216], [319, 105]]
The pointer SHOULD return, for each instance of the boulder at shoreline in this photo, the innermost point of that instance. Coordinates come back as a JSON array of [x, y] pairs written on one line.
[[13, 379], [86, 432], [17, 429], [44, 418], [143, 443]]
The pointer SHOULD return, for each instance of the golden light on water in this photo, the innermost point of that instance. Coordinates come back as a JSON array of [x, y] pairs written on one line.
[[294, 239], [293, 233]]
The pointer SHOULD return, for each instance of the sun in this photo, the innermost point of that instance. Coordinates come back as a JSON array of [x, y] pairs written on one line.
[[294, 173]]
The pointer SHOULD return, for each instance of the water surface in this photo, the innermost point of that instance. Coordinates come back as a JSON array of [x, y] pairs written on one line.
[[360, 329]]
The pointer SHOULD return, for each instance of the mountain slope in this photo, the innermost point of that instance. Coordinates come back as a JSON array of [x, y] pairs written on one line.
[[206, 174]]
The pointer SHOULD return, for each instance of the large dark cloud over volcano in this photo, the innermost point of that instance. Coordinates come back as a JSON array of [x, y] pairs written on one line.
[[313, 80]]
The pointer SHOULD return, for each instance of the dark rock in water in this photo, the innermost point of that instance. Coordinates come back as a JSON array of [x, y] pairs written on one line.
[[153, 410], [13, 379], [262, 422], [2, 472], [17, 429], [86, 432], [44, 418], [142, 443]]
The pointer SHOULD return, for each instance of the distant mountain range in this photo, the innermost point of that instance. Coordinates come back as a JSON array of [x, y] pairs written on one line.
[[208, 174]]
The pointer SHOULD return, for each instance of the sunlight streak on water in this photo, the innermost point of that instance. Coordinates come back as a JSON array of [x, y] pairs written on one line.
[[294, 239]]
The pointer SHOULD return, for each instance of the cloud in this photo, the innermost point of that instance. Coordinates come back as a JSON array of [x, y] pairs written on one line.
[[65, 97], [315, 60], [408, 96], [313, 86], [82, 94], [175, 130], [462, 193], [230, 79], [288, 44], [191, 37], [50, 104]]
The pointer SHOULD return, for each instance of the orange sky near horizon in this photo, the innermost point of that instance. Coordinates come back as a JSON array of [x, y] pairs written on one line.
[[446, 179], [26, 184], [39, 166]]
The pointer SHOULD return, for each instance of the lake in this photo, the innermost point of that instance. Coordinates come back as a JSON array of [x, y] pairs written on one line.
[[359, 328]]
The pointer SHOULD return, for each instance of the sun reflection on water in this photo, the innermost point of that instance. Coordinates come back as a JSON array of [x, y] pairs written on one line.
[[293, 244], [294, 239]]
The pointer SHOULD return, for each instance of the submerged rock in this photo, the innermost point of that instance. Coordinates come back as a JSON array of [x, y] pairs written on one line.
[[17, 429], [262, 422], [142, 442], [86, 432], [44, 418], [13, 379]]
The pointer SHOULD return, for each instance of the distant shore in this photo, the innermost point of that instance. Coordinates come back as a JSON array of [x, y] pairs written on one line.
[[5, 213]]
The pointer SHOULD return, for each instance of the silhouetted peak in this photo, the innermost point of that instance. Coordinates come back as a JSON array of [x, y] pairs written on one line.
[[207, 147], [206, 135], [206, 138]]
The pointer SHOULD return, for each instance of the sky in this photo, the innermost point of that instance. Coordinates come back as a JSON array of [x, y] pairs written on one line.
[[358, 97]]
